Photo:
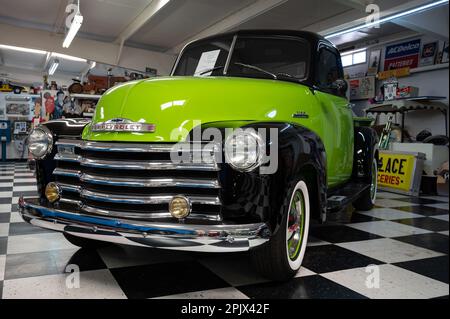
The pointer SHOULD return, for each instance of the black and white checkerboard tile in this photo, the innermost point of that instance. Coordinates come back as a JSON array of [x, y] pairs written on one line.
[[406, 238]]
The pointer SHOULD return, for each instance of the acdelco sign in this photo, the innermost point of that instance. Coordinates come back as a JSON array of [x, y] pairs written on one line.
[[402, 55]]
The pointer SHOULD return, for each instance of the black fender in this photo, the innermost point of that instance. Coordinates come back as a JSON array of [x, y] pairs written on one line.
[[366, 148], [255, 197], [63, 128]]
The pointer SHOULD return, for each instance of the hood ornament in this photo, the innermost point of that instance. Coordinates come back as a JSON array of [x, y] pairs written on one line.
[[123, 125]]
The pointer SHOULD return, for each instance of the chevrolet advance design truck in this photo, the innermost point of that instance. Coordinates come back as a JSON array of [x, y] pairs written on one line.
[[258, 99]]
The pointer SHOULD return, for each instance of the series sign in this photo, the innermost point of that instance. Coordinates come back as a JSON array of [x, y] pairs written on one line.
[[399, 172], [402, 55]]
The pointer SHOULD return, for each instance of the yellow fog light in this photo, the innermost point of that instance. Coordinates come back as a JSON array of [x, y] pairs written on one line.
[[52, 192], [179, 207]]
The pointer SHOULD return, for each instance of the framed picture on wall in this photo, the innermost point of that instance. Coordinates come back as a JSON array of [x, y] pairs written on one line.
[[428, 55], [362, 88], [374, 62]]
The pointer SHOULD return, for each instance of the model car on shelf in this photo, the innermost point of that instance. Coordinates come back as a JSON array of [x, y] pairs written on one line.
[[248, 140], [9, 87]]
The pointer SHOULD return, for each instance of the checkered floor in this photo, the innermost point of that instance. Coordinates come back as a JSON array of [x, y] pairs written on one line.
[[407, 238]]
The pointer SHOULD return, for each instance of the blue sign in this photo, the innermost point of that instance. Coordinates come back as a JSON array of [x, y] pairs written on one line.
[[403, 49]]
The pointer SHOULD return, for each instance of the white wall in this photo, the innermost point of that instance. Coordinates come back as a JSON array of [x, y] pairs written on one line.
[[435, 82]]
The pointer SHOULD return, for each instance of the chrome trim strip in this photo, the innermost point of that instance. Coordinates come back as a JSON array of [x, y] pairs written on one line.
[[68, 157], [66, 172], [68, 142], [70, 201], [142, 200], [210, 238], [131, 215], [69, 188], [149, 182], [127, 147], [148, 165]]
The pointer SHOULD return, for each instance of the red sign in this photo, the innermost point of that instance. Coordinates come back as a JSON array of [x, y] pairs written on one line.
[[411, 61]]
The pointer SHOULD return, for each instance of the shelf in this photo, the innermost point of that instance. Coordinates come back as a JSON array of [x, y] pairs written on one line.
[[86, 96], [429, 68]]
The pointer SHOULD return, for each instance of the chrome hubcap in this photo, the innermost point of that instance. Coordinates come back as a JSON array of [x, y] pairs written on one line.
[[295, 225]]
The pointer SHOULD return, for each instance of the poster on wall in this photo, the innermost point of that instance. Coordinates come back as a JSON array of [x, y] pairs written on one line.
[[374, 62], [445, 53], [17, 109], [402, 55], [428, 55], [362, 88]]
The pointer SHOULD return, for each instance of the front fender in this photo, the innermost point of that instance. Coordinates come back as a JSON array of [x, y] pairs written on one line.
[[366, 148], [63, 128], [255, 197]]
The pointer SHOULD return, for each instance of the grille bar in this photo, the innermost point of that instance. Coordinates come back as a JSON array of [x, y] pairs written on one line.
[[146, 165], [137, 180], [143, 200], [149, 182]]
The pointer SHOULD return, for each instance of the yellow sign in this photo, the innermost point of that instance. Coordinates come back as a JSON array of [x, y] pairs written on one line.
[[397, 73], [396, 171]]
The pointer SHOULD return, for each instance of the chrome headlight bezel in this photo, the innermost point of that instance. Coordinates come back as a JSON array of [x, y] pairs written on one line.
[[230, 146], [47, 138]]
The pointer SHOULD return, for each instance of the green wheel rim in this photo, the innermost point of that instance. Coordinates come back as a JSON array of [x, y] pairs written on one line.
[[295, 225]]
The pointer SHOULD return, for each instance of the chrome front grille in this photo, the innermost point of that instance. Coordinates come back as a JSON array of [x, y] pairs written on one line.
[[134, 181]]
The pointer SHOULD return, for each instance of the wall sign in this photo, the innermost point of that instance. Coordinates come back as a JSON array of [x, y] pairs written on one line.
[[428, 54], [400, 172], [402, 55]]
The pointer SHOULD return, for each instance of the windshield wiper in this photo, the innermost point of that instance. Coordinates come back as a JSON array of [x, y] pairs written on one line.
[[249, 66], [212, 69]]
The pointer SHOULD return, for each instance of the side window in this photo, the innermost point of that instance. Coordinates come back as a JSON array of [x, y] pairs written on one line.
[[328, 70]]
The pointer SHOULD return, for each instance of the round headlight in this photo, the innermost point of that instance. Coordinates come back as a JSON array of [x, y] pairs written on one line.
[[244, 150], [40, 142]]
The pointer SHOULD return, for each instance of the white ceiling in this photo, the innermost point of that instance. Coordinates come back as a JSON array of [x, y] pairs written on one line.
[[183, 20], [176, 22]]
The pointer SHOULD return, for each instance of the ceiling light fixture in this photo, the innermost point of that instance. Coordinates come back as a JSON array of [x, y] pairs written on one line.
[[74, 27], [10, 47], [68, 57], [53, 67], [389, 18]]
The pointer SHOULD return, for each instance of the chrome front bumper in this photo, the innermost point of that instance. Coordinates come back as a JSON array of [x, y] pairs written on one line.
[[204, 238]]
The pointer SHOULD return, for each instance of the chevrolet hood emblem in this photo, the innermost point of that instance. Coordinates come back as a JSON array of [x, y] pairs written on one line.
[[123, 125]]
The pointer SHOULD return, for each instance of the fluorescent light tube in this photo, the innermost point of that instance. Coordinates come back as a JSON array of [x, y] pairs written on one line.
[[383, 20], [10, 47], [68, 57], [74, 27], [53, 67]]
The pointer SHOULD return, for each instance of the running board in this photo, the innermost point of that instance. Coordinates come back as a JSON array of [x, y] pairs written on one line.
[[345, 195]]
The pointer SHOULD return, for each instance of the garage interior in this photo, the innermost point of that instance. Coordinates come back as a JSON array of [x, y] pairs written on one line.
[[405, 235]]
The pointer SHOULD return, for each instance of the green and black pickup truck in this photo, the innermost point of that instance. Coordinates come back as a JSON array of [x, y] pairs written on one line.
[[249, 139]]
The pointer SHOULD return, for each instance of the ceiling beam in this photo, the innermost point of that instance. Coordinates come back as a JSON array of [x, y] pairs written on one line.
[[233, 20], [433, 23], [356, 17], [150, 11]]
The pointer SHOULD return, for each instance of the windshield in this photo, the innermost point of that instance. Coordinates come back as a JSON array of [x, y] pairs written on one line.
[[284, 58]]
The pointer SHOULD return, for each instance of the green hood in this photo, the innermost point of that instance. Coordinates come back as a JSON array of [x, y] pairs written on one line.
[[177, 104]]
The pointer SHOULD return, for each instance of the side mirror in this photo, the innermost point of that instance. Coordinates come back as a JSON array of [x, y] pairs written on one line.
[[340, 86]]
